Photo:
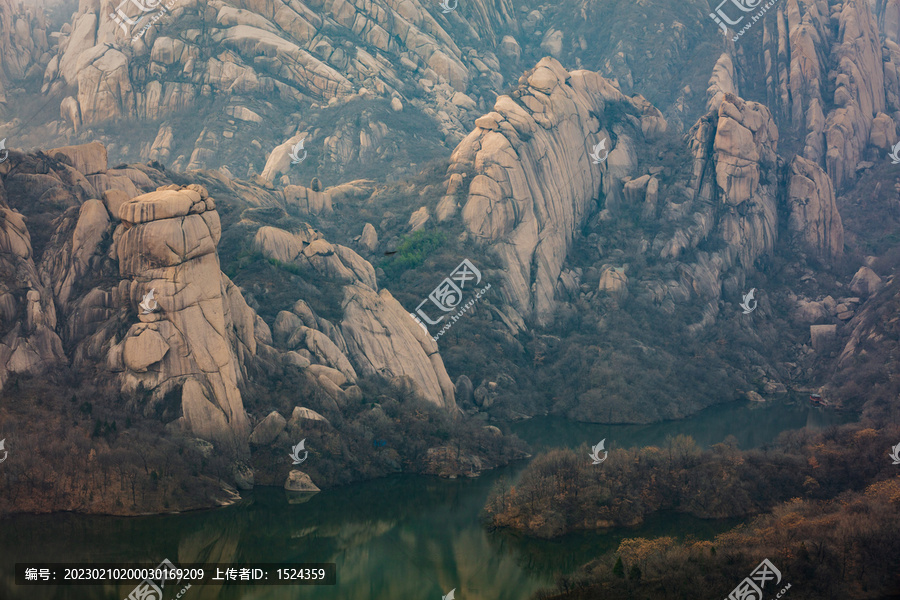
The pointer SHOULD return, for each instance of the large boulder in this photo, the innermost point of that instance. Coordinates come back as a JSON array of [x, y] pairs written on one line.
[[268, 429], [298, 481], [301, 413], [810, 312], [144, 348], [368, 241], [865, 282], [821, 336], [86, 158], [614, 282]]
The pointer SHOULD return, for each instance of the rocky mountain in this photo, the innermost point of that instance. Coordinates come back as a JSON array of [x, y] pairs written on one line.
[[620, 191]]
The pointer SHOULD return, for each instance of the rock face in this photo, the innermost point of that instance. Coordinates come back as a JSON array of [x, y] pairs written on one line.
[[510, 168], [23, 41], [811, 46], [516, 158], [376, 336], [196, 339], [328, 53], [89, 159], [731, 198], [167, 243], [814, 219], [31, 344], [383, 339], [739, 175]]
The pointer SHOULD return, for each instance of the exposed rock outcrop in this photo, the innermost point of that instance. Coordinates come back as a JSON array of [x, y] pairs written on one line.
[[376, 336], [368, 241], [383, 339], [298, 51], [814, 218], [167, 243], [30, 344], [821, 336], [813, 48], [865, 282], [532, 183], [23, 41], [298, 481], [268, 429]]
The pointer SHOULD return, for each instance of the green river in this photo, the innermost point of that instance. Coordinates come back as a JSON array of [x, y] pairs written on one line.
[[400, 538]]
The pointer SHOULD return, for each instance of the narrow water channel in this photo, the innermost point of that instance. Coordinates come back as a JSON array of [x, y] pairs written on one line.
[[404, 537]]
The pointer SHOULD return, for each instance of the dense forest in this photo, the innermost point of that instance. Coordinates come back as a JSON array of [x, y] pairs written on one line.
[[827, 507], [100, 454], [845, 547], [562, 491]]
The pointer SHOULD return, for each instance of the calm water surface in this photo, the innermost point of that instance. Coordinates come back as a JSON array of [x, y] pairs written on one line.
[[393, 539]]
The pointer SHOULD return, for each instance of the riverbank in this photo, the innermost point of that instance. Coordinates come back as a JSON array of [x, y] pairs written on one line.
[[562, 491], [402, 536]]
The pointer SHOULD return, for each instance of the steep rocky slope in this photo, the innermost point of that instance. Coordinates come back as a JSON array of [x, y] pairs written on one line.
[[365, 83], [76, 302]]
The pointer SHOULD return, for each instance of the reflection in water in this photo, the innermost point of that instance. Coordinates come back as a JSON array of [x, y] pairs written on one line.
[[753, 425], [401, 537]]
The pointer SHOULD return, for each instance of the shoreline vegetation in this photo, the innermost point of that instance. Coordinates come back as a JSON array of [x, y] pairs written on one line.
[[824, 507], [98, 454], [840, 548]]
